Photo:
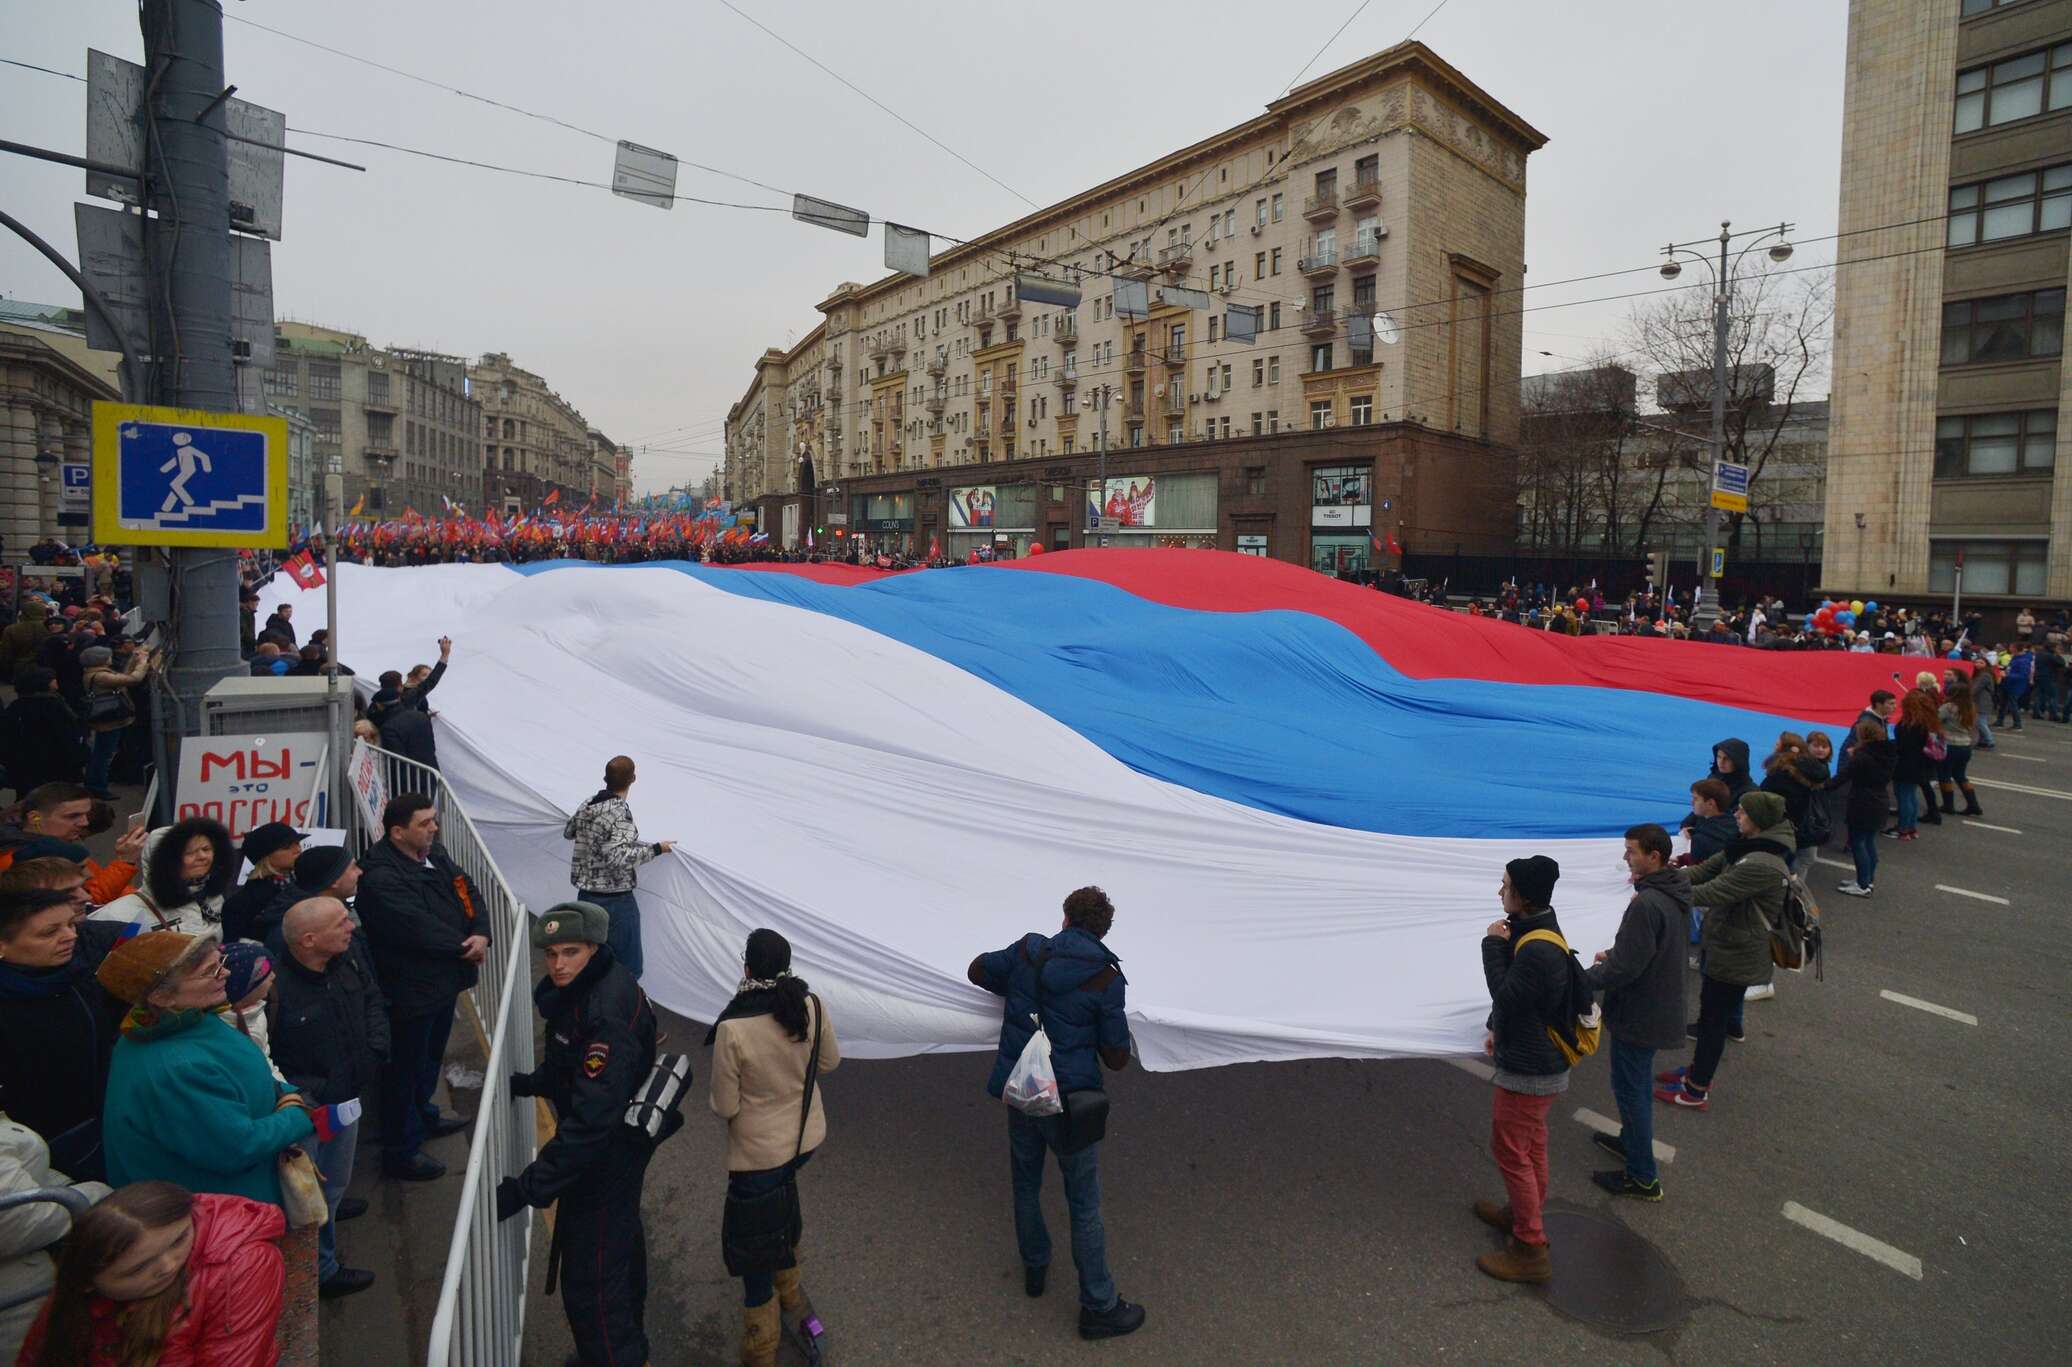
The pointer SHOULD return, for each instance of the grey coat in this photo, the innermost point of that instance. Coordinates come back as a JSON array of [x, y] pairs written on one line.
[[1741, 894], [1642, 977]]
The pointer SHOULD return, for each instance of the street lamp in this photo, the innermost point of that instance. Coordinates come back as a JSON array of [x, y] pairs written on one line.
[[1723, 275]]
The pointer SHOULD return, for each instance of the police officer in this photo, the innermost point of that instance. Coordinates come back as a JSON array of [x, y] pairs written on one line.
[[600, 1050]]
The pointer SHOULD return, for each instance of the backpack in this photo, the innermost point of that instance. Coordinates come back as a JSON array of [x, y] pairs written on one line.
[[1795, 940], [1578, 1034]]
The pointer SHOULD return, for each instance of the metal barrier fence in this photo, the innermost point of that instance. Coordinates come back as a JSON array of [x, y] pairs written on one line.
[[480, 1319]]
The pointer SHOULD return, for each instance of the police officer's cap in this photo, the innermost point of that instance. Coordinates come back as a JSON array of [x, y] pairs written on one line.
[[571, 923]]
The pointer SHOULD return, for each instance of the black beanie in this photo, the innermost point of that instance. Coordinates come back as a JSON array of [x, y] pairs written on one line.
[[1533, 879]]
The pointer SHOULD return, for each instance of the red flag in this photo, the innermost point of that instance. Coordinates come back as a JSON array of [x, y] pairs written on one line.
[[934, 549], [1395, 547], [304, 571], [553, 496]]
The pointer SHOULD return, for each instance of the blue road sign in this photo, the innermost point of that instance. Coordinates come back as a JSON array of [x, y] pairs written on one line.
[[176, 477]]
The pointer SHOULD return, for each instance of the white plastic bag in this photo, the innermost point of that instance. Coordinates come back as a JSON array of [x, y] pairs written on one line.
[[1032, 1087]]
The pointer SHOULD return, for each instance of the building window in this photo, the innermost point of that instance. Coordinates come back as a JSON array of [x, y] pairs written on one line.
[[2018, 88], [1259, 211], [1319, 415], [1972, 7], [2012, 206], [1273, 421], [1273, 316], [1277, 206], [1258, 371], [1276, 253], [1259, 265], [281, 380], [2007, 327], [323, 379], [1255, 475], [1996, 444], [1213, 329], [1174, 436], [1258, 428], [1273, 369], [1320, 358], [2017, 567], [1362, 409]]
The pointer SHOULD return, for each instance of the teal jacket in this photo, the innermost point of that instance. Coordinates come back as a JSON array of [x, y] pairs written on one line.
[[191, 1101]]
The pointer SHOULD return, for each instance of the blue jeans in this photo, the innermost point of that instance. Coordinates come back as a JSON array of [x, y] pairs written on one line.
[[99, 757], [334, 1160], [1909, 803], [758, 1287], [624, 934], [1863, 848], [1028, 1138], [1633, 1086]]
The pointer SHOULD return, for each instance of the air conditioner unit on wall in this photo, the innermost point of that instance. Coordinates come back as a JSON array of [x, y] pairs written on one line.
[[1194, 398], [1256, 227]]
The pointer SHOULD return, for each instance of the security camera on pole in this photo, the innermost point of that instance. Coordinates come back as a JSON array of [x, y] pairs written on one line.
[[1729, 479]]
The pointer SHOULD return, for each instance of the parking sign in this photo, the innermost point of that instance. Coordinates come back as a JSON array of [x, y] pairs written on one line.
[[184, 477]]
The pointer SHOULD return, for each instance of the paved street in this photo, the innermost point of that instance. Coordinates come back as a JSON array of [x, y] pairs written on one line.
[[1317, 1212]]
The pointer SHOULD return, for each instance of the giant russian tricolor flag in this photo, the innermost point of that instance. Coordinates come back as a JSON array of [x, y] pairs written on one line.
[[1300, 794]]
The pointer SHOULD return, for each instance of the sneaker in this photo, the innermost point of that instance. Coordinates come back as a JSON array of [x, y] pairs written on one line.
[[1849, 886], [1611, 1143], [1691, 1030], [1683, 1097], [1855, 890], [1761, 992], [1118, 1319], [1737, 1034], [1621, 1183], [1673, 1078], [1892, 833]]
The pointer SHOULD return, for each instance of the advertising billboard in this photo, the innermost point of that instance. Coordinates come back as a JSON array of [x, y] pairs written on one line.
[[973, 508], [1131, 500]]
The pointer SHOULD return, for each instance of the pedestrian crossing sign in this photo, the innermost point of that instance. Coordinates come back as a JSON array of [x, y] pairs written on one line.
[[187, 477]]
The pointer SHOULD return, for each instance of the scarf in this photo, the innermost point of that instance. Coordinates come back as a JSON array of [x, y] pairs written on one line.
[[755, 997], [145, 1023], [21, 983]]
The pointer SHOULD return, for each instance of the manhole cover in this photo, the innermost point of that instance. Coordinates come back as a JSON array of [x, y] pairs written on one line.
[[1608, 1276]]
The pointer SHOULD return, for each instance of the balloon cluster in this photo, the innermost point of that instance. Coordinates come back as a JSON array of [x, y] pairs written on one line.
[[1834, 615]]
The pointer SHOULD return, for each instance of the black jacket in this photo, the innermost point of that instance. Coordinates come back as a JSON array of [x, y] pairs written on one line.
[[1529, 991], [415, 916], [1642, 977], [40, 742], [407, 731], [245, 908], [57, 1031], [1868, 773], [600, 1049], [279, 625], [330, 1030]]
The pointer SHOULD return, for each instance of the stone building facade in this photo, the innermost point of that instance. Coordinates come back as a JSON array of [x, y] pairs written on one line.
[[396, 423], [1368, 226], [48, 385], [1948, 433], [534, 441]]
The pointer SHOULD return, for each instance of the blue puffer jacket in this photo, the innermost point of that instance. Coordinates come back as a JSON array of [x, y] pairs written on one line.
[[1082, 1004]]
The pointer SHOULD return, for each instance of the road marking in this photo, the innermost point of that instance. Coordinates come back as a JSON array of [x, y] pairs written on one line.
[[1877, 1250], [1832, 863], [1604, 1124], [1475, 1066], [1975, 896], [2057, 793], [1931, 1008], [2004, 830], [2028, 759]]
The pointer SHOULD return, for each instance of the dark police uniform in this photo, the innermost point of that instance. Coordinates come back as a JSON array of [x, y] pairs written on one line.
[[600, 1049]]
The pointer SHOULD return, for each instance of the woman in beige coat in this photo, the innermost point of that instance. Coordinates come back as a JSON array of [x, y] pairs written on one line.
[[768, 1046]]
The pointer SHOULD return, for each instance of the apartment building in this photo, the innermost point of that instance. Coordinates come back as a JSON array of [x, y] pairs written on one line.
[[1947, 439], [395, 422], [534, 441], [1345, 263]]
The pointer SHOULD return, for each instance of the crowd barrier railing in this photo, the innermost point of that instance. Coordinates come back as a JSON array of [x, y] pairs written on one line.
[[480, 1317]]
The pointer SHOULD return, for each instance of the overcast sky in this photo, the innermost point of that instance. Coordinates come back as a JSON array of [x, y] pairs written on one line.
[[1663, 117]]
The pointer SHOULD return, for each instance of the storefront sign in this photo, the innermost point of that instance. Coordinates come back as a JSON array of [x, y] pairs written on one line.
[[1342, 516], [247, 781]]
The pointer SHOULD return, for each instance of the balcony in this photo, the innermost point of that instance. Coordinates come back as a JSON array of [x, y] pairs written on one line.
[[1366, 190], [1008, 310], [1175, 353], [1066, 379], [1321, 205], [373, 452], [1067, 331], [1321, 321], [1176, 258], [1008, 389], [881, 347], [1133, 408], [1135, 359], [834, 363], [1322, 261], [938, 365], [935, 403], [1366, 248], [1174, 405]]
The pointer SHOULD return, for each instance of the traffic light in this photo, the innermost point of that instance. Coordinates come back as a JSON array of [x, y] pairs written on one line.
[[1658, 569]]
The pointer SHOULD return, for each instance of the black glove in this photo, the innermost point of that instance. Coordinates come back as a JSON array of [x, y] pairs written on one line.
[[521, 1085], [510, 1198]]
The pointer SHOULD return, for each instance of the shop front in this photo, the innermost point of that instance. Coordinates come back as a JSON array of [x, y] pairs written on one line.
[[996, 517], [1341, 519], [1176, 511], [884, 523]]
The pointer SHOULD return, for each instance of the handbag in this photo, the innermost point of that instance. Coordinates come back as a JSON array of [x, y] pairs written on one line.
[[1084, 1122], [656, 1109], [760, 1233], [302, 1189], [106, 709]]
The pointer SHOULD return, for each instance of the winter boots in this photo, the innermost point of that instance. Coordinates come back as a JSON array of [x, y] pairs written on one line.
[[1971, 807], [1495, 1216], [1949, 798], [798, 1321], [759, 1335]]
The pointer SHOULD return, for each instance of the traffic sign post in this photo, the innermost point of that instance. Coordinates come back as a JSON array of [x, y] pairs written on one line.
[[184, 477], [1729, 487]]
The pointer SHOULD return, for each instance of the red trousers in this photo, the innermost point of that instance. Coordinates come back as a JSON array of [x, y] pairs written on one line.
[[1518, 1136]]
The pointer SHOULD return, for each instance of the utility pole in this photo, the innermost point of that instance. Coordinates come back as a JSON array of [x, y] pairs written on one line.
[[187, 170], [1101, 480]]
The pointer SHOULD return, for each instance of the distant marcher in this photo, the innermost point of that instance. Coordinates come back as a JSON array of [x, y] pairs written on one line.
[[1867, 775], [1741, 891], [601, 1038], [281, 623], [156, 1274], [420, 913], [105, 689], [1710, 823], [1530, 988], [1074, 983], [271, 850], [608, 855], [769, 1046], [1915, 771], [188, 867], [330, 1038], [1641, 977], [1959, 717]]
